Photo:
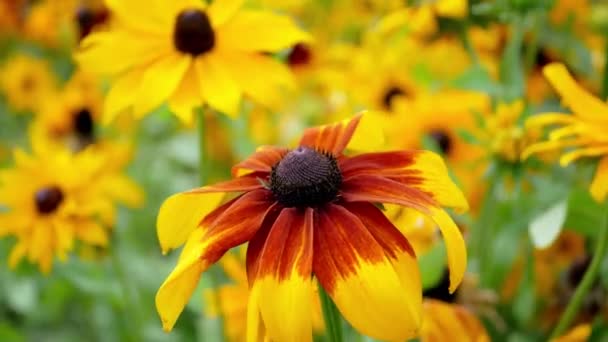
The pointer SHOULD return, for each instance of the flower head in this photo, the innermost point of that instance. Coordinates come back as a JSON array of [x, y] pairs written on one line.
[[311, 211], [189, 54], [584, 134], [54, 197]]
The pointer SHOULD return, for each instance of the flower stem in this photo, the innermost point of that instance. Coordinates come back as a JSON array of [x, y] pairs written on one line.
[[333, 323], [202, 177], [585, 285]]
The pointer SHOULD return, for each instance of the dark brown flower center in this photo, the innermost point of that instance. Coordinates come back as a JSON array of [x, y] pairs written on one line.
[[48, 199], [83, 123], [300, 55], [443, 140], [390, 95], [87, 18], [193, 33], [306, 178]]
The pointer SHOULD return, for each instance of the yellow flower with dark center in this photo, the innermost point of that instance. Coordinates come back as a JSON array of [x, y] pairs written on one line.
[[26, 82], [71, 117], [233, 299], [189, 54], [311, 211], [584, 134], [53, 198]]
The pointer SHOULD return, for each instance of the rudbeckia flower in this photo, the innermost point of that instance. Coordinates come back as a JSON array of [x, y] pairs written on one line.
[[583, 134], [26, 82], [54, 197], [189, 54], [310, 211]]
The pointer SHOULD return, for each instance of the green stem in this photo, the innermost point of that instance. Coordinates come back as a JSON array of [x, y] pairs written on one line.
[[605, 78], [333, 321], [131, 304], [585, 285], [202, 177], [466, 42]]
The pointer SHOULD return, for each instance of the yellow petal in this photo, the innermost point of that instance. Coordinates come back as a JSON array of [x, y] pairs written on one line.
[[160, 81], [570, 157], [599, 185], [362, 281], [177, 289], [186, 97], [454, 244], [574, 96], [283, 275], [259, 31], [452, 8], [221, 11], [92, 232], [261, 78], [255, 326], [368, 136], [180, 214], [121, 95], [217, 85]]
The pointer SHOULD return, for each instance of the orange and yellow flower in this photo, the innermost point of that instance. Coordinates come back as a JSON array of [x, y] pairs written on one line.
[[584, 134], [311, 210], [189, 54]]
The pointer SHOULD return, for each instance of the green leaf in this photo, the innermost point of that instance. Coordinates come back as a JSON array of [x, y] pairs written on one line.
[[432, 266], [545, 227]]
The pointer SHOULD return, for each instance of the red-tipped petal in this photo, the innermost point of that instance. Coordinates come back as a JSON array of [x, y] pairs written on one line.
[[331, 138]]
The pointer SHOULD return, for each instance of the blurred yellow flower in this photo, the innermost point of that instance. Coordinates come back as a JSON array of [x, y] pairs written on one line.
[[584, 134], [422, 19], [189, 54], [53, 198], [444, 322], [26, 82], [50, 22], [579, 333]]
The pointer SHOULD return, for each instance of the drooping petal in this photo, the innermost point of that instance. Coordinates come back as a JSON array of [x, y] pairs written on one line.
[[369, 188], [181, 213], [262, 160], [217, 85], [160, 81], [204, 247], [422, 170], [355, 271], [259, 31], [283, 277], [599, 185], [582, 103], [594, 151]]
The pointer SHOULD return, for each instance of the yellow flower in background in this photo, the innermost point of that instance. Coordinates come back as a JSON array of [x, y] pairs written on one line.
[[53, 198], [11, 16], [579, 333], [189, 54], [233, 299], [26, 82], [71, 117], [503, 133], [422, 19], [310, 210], [583, 134], [50, 22], [444, 322]]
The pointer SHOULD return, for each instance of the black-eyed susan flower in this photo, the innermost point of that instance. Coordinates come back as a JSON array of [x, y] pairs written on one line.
[[26, 82], [583, 134], [189, 54], [54, 198], [311, 211], [233, 299]]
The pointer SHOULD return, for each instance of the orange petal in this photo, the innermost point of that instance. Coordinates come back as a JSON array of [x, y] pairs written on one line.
[[423, 170], [283, 277], [363, 281], [599, 185], [262, 160], [331, 138]]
